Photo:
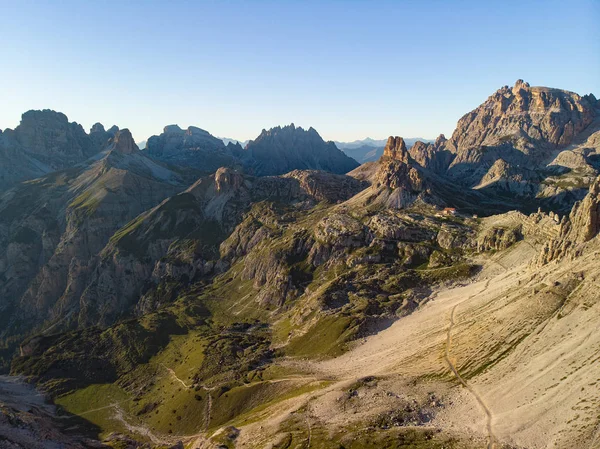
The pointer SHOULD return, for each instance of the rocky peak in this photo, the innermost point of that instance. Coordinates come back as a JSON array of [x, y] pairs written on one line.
[[419, 146], [191, 147], [395, 174], [227, 179], [123, 142], [435, 157], [278, 132], [34, 118], [97, 128], [285, 132], [524, 116], [52, 140], [100, 137], [113, 130], [441, 140], [274, 152], [398, 172], [195, 131], [49, 133], [281, 149], [43, 142], [520, 84], [234, 146], [172, 129], [395, 148]]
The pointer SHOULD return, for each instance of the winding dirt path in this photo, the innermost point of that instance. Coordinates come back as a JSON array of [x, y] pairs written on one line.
[[87, 412], [208, 410], [307, 416], [490, 430], [174, 376]]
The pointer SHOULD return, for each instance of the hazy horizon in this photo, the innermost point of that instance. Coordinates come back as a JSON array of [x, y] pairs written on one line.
[[350, 70]]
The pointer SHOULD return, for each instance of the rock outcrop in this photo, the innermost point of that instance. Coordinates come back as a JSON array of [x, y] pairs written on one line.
[[28, 420], [49, 135], [585, 217], [397, 180], [498, 238], [395, 148], [436, 157], [532, 143], [396, 166], [510, 180], [582, 226]]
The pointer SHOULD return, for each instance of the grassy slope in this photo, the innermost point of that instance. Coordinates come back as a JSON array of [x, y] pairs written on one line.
[[216, 340]]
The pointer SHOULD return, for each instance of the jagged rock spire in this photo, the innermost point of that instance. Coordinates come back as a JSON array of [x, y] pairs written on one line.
[[123, 142], [441, 139], [585, 216], [97, 128], [395, 148]]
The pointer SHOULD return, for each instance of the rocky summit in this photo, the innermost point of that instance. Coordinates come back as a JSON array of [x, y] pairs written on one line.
[[201, 295], [280, 150], [525, 142], [192, 147]]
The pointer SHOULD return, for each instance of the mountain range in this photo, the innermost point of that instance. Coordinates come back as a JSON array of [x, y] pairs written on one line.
[[203, 294], [276, 151], [45, 141]]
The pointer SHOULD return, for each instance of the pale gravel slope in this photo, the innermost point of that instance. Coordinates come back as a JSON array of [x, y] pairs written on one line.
[[537, 374]]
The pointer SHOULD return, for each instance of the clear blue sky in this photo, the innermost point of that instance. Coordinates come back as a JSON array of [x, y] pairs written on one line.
[[350, 69]]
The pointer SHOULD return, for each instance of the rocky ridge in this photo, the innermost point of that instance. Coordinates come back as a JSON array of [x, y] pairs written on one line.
[[52, 229], [274, 152], [184, 238]]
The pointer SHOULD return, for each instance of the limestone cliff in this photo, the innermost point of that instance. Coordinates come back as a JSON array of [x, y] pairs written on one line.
[[581, 227]]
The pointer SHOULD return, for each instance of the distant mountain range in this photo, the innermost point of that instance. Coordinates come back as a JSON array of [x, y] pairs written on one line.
[[45, 141], [227, 140]]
